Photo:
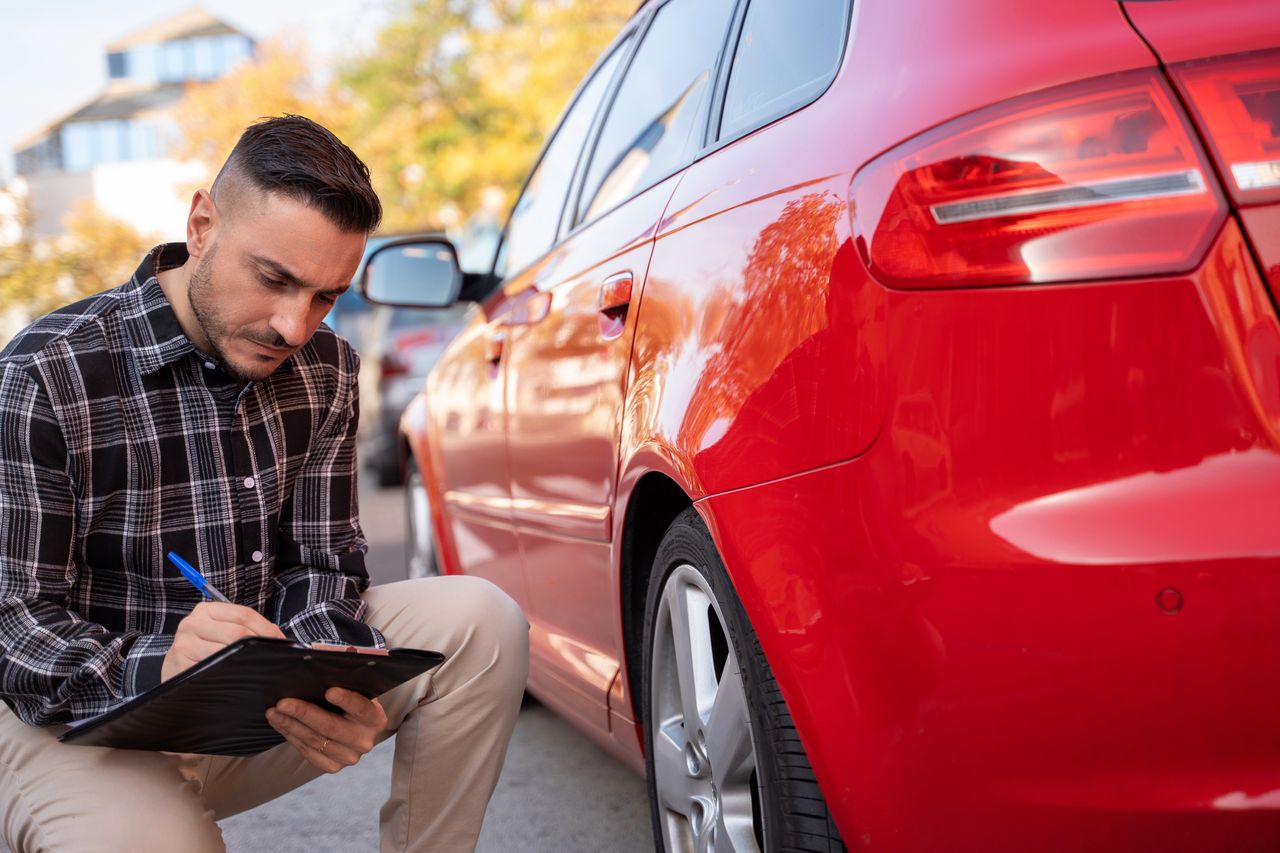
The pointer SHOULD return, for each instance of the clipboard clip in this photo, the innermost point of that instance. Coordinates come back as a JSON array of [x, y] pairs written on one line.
[[334, 647]]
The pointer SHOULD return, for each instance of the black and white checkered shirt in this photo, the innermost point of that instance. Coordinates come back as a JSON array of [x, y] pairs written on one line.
[[120, 442]]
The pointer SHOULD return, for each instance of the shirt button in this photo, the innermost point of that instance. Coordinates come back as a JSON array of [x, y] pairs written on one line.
[[249, 482], [211, 365], [256, 556]]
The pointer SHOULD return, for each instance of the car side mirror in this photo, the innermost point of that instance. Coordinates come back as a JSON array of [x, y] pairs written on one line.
[[416, 273]]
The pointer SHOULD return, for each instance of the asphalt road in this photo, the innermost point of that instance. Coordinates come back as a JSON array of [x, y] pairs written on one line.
[[558, 793]]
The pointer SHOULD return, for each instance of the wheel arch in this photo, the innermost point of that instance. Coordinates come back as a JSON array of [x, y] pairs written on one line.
[[654, 503], [416, 445]]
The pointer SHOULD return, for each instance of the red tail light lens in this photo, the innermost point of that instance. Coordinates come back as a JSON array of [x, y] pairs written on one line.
[[391, 366], [1237, 100], [1093, 180]]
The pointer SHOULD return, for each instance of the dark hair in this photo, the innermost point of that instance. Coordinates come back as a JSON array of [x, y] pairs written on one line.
[[296, 157]]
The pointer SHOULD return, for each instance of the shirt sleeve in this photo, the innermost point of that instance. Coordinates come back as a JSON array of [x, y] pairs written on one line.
[[320, 571], [55, 666]]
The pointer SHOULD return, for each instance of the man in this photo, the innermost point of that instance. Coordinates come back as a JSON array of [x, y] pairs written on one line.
[[201, 408]]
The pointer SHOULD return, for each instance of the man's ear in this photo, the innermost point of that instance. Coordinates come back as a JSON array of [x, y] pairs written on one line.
[[202, 223]]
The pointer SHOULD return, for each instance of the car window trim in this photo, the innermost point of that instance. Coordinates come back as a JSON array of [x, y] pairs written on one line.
[[728, 50], [569, 209], [627, 32], [723, 85], [570, 214], [698, 154]]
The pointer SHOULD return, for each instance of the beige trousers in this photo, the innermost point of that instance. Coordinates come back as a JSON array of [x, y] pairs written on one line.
[[451, 727]]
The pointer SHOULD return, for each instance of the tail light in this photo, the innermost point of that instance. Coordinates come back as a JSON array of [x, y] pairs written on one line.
[[391, 366], [1093, 180], [1237, 100]]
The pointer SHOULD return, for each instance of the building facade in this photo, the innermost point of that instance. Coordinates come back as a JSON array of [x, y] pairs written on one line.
[[116, 150]]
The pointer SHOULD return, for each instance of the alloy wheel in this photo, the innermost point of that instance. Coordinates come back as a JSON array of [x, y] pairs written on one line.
[[703, 753], [422, 561]]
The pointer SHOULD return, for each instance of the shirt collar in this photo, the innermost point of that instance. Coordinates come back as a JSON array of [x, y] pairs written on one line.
[[153, 327]]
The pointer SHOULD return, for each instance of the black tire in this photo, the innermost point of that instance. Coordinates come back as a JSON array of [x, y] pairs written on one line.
[[421, 559], [388, 470], [787, 810]]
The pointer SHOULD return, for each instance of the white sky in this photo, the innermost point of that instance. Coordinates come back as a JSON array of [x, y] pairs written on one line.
[[52, 56]]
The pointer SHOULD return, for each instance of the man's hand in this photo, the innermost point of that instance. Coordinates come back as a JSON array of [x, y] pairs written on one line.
[[329, 741], [208, 628]]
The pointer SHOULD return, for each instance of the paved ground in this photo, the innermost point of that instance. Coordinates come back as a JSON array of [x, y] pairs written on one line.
[[558, 793]]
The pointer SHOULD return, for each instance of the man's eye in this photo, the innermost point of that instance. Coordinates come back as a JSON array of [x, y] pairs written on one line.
[[269, 281], [329, 298]]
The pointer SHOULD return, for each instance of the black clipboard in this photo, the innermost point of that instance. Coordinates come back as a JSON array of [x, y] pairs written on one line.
[[218, 706]]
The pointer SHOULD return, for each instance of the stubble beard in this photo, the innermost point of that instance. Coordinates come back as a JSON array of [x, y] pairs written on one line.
[[203, 299]]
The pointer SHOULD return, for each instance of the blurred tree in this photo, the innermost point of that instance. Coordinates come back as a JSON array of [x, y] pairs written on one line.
[[458, 95], [96, 253], [454, 99]]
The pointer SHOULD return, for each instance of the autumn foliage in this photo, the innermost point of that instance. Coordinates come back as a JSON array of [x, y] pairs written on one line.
[[36, 276], [454, 97]]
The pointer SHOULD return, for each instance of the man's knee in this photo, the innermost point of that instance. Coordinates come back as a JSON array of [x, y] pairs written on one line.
[[485, 606], [471, 620], [489, 627]]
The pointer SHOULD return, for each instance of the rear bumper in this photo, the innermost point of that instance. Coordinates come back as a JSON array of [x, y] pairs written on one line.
[[1043, 610]]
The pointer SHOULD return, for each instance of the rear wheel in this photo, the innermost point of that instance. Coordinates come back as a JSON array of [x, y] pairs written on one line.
[[420, 546], [725, 767], [387, 468]]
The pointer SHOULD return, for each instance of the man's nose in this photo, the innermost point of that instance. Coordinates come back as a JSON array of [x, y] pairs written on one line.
[[290, 321]]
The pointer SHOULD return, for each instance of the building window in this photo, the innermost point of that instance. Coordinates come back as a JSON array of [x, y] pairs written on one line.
[[208, 58], [89, 144], [77, 147], [172, 62], [200, 58], [144, 63], [235, 49]]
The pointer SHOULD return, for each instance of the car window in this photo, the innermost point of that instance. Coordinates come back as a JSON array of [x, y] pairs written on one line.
[[787, 55], [532, 227], [656, 122]]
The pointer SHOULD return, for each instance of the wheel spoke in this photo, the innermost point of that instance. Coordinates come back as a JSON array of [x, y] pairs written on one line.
[[673, 781], [735, 828], [691, 644], [729, 732]]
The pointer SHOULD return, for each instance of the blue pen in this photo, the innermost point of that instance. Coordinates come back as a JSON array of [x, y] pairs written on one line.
[[197, 580]]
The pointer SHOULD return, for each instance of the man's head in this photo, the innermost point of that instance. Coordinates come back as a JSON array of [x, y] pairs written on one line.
[[273, 244]]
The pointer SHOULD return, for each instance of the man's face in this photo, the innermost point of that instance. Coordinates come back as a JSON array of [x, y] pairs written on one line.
[[272, 271]]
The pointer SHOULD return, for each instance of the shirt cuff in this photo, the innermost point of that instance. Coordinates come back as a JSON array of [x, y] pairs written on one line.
[[143, 664]]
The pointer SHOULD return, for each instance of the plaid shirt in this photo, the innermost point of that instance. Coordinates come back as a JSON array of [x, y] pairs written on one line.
[[120, 442]]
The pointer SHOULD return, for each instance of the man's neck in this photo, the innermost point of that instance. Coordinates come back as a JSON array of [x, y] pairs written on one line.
[[175, 283]]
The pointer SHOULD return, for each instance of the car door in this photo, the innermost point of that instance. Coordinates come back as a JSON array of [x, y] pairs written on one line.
[[566, 362], [467, 390]]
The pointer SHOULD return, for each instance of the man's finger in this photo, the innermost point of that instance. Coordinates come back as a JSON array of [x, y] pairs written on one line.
[[328, 754], [325, 724], [360, 708], [238, 614], [219, 633]]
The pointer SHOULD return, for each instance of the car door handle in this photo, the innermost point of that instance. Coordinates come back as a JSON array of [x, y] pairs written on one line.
[[615, 294], [494, 347], [614, 299]]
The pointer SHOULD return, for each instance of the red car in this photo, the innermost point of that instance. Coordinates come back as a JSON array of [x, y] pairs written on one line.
[[876, 409]]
